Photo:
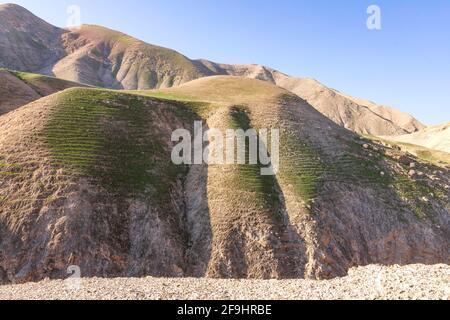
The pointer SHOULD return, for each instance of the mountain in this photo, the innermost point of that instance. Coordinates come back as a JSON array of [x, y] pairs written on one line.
[[107, 58], [101, 57], [27, 43], [20, 88], [358, 115], [87, 180], [91, 54], [435, 137]]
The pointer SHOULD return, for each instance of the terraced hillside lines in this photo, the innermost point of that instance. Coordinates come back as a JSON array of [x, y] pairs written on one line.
[[94, 187], [113, 138], [250, 236], [249, 178], [331, 180], [358, 115], [88, 181]]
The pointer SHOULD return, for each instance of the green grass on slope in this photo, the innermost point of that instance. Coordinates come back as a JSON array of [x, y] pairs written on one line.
[[111, 137], [42, 84], [188, 106], [301, 167], [249, 176]]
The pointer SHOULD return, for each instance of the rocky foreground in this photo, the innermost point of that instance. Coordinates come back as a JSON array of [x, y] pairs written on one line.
[[372, 282]]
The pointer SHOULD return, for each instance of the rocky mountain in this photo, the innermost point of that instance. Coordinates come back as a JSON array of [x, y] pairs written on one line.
[[101, 57], [87, 180], [20, 88], [434, 137]]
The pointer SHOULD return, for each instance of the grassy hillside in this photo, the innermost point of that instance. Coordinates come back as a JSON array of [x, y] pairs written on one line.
[[87, 179]]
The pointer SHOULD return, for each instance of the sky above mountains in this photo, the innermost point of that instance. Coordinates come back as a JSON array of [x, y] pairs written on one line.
[[405, 64]]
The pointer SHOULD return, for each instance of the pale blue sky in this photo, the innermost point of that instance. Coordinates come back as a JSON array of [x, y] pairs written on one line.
[[405, 65]]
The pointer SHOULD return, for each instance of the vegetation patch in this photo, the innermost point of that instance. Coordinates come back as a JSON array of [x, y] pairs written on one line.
[[248, 177], [111, 137], [301, 167]]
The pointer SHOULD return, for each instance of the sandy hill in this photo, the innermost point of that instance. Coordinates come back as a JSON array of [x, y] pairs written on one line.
[[435, 137], [87, 180], [20, 88], [101, 57]]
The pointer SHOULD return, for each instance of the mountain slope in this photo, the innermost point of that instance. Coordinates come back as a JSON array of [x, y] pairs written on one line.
[[20, 88], [105, 58], [27, 43], [358, 115], [435, 137], [87, 180], [91, 55]]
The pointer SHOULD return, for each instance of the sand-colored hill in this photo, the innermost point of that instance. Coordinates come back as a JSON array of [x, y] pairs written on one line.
[[355, 114], [20, 88], [435, 137], [87, 180]]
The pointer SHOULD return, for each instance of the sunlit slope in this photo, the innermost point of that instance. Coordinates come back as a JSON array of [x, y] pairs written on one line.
[[361, 116], [435, 137], [87, 179], [328, 175], [102, 57], [20, 88]]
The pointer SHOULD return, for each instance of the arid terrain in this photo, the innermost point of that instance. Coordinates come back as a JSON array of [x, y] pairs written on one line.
[[86, 178], [413, 282], [98, 56]]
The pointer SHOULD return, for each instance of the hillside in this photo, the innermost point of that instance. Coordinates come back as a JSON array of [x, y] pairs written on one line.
[[91, 55], [27, 43], [435, 137], [20, 88], [107, 58], [358, 115], [88, 180], [102, 57]]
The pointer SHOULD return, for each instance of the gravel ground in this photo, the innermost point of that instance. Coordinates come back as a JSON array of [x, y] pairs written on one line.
[[372, 282]]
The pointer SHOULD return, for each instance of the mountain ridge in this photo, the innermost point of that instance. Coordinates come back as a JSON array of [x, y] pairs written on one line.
[[102, 57]]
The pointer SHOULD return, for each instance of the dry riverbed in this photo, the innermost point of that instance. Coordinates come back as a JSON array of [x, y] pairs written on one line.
[[372, 282]]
